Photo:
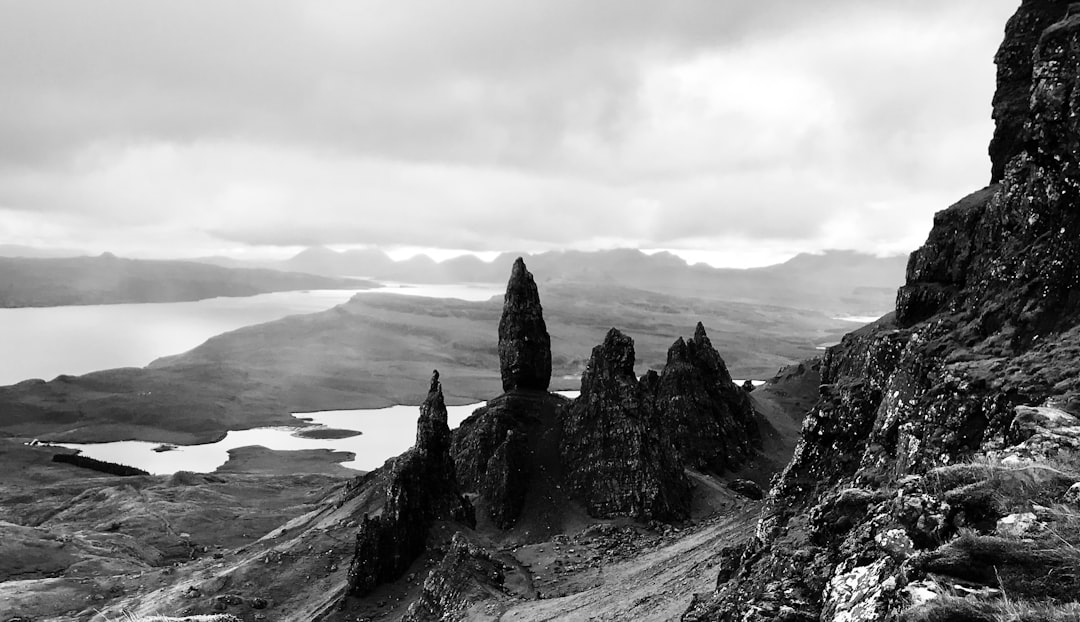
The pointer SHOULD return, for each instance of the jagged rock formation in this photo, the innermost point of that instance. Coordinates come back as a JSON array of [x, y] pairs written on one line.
[[466, 575], [507, 449], [423, 488], [1015, 66], [524, 343], [985, 328], [615, 457], [708, 416]]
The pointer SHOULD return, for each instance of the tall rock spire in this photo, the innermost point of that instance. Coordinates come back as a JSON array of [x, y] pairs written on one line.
[[524, 344], [422, 489]]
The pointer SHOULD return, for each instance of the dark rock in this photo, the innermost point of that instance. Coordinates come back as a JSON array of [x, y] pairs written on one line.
[[1015, 65], [508, 450], [708, 416], [506, 480], [1009, 255], [729, 562], [988, 320], [748, 386], [747, 488], [225, 601], [423, 488], [524, 343], [614, 457], [466, 575]]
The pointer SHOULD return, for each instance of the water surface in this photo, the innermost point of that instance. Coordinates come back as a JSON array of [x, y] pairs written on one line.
[[385, 432], [44, 342]]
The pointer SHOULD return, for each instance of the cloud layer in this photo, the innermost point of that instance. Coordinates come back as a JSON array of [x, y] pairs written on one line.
[[178, 128]]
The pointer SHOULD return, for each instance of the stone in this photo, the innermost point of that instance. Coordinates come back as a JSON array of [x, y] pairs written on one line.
[[896, 543], [422, 489], [524, 343], [1015, 73], [467, 574], [1072, 495], [614, 457], [1019, 525], [708, 417], [747, 488], [507, 448]]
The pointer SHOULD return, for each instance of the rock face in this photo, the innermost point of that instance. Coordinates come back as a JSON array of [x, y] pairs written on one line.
[[1011, 251], [466, 575], [615, 457], [524, 343], [507, 450], [1015, 71], [976, 364], [422, 489], [708, 416]]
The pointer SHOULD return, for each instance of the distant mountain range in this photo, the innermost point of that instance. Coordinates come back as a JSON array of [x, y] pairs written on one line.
[[838, 282], [48, 282]]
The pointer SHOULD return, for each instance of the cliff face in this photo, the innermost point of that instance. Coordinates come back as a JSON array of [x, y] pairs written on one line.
[[616, 458], [878, 492], [422, 489]]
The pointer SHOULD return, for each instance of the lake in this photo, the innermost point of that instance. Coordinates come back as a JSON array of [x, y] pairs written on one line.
[[386, 432], [44, 342]]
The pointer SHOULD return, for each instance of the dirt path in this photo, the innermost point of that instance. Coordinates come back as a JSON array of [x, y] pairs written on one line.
[[657, 585]]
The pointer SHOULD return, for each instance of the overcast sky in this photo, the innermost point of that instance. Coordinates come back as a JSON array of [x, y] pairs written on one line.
[[748, 130]]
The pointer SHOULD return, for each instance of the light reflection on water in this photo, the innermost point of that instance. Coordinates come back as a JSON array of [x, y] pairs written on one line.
[[80, 339]]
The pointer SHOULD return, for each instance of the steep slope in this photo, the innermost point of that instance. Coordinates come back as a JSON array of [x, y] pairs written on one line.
[[945, 440]]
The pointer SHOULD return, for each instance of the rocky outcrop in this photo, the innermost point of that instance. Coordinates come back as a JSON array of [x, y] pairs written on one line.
[[524, 343], [614, 456], [507, 449], [422, 489], [1015, 73], [466, 575], [1007, 258], [708, 417], [974, 365]]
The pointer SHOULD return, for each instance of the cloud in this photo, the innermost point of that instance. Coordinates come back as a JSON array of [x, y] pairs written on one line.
[[490, 125]]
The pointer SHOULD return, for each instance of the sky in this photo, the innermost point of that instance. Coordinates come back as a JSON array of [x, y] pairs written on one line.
[[732, 132]]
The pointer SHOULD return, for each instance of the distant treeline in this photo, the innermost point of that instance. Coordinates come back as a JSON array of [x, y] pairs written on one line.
[[111, 468]]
